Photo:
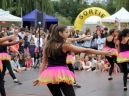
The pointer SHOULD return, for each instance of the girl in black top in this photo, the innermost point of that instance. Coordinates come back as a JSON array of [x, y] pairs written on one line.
[[2, 89], [110, 45], [123, 56], [6, 62], [57, 76]]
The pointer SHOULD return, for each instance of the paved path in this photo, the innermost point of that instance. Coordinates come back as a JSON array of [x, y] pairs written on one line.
[[93, 84]]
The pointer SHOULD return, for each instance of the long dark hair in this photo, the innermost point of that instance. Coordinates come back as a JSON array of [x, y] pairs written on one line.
[[123, 34], [55, 41], [51, 28], [111, 32]]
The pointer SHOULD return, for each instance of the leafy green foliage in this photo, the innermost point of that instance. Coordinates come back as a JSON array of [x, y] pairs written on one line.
[[16, 6]]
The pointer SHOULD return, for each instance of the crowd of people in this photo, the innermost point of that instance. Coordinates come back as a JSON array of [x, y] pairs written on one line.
[[26, 49]]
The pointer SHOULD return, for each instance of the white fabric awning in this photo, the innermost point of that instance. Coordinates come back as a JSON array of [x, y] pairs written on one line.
[[6, 16], [93, 20], [121, 16]]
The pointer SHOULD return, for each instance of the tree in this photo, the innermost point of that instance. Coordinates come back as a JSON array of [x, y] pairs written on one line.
[[111, 7], [122, 3], [15, 6], [69, 8], [45, 6]]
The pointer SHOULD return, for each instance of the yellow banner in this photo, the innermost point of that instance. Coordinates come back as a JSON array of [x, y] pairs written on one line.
[[92, 11]]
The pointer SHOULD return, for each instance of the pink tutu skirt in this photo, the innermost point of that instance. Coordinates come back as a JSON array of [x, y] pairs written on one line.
[[123, 57], [3, 56], [55, 75], [70, 59], [114, 51]]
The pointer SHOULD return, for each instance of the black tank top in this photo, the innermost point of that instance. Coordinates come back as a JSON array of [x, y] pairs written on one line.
[[3, 48], [124, 47], [110, 44], [58, 59]]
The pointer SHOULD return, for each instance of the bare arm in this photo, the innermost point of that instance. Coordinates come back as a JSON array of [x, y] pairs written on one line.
[[76, 49], [37, 30], [75, 39], [10, 43], [15, 49], [87, 38], [3, 39]]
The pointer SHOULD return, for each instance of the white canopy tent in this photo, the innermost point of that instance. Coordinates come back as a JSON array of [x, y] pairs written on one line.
[[9, 17], [93, 20], [6, 16], [121, 16], [3, 11], [91, 23]]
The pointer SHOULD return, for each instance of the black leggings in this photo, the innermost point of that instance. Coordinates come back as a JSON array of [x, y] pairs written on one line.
[[125, 73], [57, 89], [2, 89], [6, 64], [111, 61], [70, 66]]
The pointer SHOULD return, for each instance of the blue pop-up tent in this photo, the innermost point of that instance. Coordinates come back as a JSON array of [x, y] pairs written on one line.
[[31, 17]]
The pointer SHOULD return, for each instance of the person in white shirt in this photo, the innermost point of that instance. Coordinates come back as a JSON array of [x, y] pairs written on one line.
[[16, 66], [36, 40], [87, 65], [22, 33], [100, 40]]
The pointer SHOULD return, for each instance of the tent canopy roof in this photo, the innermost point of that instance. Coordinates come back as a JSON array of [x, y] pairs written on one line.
[[3, 11], [32, 16], [6, 16], [122, 16], [93, 20]]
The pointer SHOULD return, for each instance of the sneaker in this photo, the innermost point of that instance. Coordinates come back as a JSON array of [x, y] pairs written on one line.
[[76, 85], [18, 82], [110, 78], [125, 89]]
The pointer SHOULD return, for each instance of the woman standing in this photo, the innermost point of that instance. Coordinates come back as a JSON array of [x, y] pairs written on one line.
[[6, 62], [2, 89], [110, 45], [57, 76], [123, 57]]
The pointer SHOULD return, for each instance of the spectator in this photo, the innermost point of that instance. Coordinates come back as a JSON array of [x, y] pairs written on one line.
[[16, 66], [31, 49], [87, 65], [29, 62]]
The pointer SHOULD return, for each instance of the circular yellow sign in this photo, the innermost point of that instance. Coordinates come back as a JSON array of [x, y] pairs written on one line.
[[92, 11]]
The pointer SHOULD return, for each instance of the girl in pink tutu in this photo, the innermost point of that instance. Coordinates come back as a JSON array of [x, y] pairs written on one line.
[[57, 76], [110, 45], [4, 56], [123, 56], [29, 62]]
